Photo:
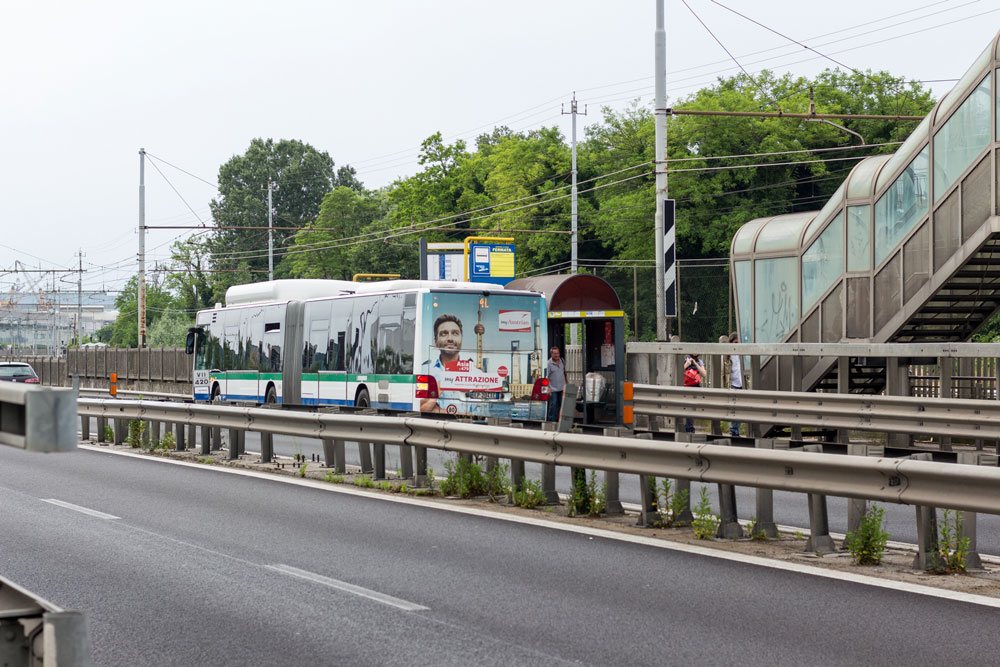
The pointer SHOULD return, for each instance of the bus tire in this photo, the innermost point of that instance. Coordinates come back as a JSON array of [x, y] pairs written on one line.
[[270, 396], [216, 393], [362, 400]]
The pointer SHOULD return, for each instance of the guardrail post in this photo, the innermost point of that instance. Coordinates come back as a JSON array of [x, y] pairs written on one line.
[[685, 516], [216, 438], [365, 457], [549, 473], [420, 478], [796, 386], [729, 523], [967, 528], [897, 383], [857, 507], [179, 436], [406, 461], [266, 447], [612, 481], [379, 450], [121, 429], [66, 639], [102, 429], [648, 517], [206, 440], [192, 435], [946, 391], [819, 541], [84, 427], [234, 444], [927, 531], [765, 497], [328, 452], [843, 387]]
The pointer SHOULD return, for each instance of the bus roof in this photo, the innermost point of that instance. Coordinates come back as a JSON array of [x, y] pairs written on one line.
[[301, 289]]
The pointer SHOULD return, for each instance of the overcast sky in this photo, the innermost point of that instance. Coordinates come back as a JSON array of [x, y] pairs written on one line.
[[86, 84]]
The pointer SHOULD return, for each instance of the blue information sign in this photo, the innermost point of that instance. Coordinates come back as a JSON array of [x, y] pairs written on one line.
[[491, 263]]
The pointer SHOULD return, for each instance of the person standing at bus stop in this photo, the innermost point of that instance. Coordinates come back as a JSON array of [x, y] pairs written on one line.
[[735, 369], [556, 373]]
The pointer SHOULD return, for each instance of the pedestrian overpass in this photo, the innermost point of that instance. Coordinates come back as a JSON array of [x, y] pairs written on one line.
[[907, 250]]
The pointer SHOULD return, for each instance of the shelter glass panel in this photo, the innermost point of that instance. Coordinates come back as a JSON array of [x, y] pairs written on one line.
[[976, 198], [810, 328], [744, 300], [823, 262], [858, 308], [861, 181], [776, 298], [916, 262], [859, 233], [825, 213], [901, 207], [888, 285], [947, 236], [833, 315], [962, 138]]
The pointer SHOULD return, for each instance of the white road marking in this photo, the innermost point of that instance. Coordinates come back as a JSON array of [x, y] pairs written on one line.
[[77, 508], [865, 580], [347, 588]]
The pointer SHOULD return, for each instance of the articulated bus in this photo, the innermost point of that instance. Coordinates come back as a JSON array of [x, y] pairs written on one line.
[[406, 345]]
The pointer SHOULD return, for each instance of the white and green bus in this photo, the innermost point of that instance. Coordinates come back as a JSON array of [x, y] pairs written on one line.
[[406, 345]]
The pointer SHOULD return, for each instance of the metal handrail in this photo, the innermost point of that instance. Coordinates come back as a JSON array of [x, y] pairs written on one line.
[[956, 417], [963, 487]]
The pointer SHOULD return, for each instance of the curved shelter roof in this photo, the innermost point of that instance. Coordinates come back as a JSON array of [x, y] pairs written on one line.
[[571, 292]]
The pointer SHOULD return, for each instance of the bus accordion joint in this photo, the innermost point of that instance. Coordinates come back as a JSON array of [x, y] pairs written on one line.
[[427, 386], [541, 391]]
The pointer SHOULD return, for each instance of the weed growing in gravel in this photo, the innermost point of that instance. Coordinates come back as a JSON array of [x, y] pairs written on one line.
[[953, 548], [109, 434], [755, 532], [705, 523], [466, 479], [135, 431], [867, 544], [167, 442], [364, 481], [302, 469], [333, 478], [529, 494]]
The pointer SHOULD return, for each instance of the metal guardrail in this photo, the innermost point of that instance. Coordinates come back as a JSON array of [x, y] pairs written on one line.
[[167, 396], [40, 632], [962, 487], [38, 419], [960, 418]]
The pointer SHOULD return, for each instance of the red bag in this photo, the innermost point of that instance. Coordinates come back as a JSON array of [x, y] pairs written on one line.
[[692, 378]]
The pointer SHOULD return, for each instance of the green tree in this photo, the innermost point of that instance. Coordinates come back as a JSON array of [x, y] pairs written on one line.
[[125, 329], [170, 329], [302, 176], [190, 278]]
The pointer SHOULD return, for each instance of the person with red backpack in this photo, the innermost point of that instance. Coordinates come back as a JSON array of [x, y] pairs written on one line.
[[694, 375]]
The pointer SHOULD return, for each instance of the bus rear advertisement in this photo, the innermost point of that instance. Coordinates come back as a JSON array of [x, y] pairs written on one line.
[[427, 346]]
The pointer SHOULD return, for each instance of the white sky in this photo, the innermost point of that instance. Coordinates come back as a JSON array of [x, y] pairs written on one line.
[[86, 84]]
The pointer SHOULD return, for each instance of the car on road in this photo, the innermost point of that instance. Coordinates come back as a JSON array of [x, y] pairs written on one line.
[[17, 371]]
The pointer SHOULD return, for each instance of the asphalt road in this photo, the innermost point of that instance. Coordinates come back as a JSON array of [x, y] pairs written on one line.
[[204, 567]]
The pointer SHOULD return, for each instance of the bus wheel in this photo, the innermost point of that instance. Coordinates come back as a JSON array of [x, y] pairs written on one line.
[[362, 401], [271, 396], [215, 394]]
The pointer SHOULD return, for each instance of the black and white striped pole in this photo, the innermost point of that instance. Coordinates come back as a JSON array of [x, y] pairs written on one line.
[[669, 259]]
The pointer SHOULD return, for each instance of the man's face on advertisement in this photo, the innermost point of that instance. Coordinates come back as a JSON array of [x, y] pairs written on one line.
[[449, 338]]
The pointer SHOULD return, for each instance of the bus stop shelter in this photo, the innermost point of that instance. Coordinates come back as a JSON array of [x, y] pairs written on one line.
[[593, 304]]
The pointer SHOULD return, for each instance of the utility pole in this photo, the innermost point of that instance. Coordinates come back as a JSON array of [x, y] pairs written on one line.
[[574, 252], [142, 248], [79, 297], [660, 75], [270, 231]]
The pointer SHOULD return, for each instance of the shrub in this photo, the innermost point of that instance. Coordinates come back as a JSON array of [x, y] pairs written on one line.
[[867, 543], [705, 523], [302, 469], [464, 479], [168, 442], [529, 494], [109, 434]]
